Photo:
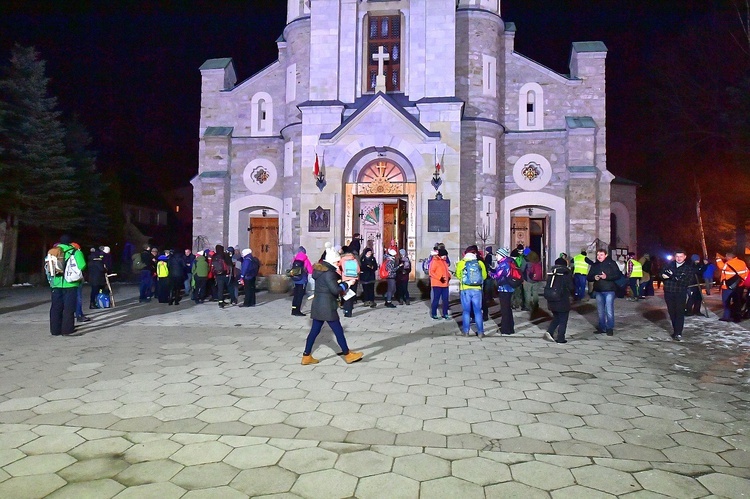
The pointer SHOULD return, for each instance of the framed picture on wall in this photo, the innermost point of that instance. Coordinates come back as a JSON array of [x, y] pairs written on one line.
[[320, 220]]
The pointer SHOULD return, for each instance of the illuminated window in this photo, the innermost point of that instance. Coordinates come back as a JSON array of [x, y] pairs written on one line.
[[384, 31]]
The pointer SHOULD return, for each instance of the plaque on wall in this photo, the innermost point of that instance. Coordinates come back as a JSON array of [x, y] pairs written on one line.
[[438, 215], [320, 220]]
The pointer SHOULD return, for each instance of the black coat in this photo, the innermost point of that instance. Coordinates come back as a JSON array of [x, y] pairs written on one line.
[[677, 279], [176, 266], [96, 269], [325, 303], [612, 271], [367, 268], [568, 287]]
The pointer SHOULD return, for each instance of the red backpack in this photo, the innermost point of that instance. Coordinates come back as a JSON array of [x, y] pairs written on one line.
[[383, 270], [536, 272]]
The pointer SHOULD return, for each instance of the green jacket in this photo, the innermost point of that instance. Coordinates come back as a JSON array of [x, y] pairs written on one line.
[[59, 280], [200, 267]]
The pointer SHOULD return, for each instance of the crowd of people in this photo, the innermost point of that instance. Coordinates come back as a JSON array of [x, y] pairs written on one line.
[[347, 275]]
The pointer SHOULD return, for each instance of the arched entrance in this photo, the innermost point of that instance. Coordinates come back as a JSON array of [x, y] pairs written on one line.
[[381, 207], [254, 223]]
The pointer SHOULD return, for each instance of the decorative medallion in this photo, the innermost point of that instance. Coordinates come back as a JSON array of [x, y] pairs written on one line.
[[532, 172], [259, 176]]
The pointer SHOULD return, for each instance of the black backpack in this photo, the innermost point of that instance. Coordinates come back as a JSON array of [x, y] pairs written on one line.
[[298, 271], [553, 289], [219, 265]]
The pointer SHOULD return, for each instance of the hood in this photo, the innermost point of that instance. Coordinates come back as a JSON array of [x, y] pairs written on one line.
[[301, 255], [321, 268], [561, 270], [470, 256]]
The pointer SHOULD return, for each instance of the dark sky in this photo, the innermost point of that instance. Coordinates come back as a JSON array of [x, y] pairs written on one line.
[[130, 69]]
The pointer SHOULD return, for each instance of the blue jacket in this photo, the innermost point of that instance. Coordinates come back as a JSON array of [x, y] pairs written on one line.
[[501, 271]]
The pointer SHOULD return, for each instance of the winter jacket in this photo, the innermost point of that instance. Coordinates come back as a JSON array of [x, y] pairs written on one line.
[[302, 256], [189, 261], [176, 266], [461, 265], [568, 288], [390, 266], [368, 267], [59, 281], [439, 268], [677, 279], [727, 273], [327, 290], [96, 269], [200, 266], [250, 267], [610, 268], [500, 272], [403, 270]]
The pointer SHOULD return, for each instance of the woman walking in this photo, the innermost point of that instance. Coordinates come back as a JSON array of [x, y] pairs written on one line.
[[328, 287]]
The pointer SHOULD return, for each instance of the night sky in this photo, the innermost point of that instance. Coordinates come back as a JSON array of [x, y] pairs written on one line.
[[130, 69]]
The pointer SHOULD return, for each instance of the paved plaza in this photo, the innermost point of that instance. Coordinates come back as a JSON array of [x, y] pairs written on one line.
[[196, 402]]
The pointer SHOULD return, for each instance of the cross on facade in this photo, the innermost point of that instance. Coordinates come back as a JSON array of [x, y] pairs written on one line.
[[381, 57]]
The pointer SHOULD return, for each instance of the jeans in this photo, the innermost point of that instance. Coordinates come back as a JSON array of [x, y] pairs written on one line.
[[605, 306], [62, 310], [471, 300], [315, 331], [79, 301], [391, 290], [437, 295], [222, 282], [635, 285], [730, 298], [188, 281], [676, 308], [559, 322], [580, 282], [145, 285]]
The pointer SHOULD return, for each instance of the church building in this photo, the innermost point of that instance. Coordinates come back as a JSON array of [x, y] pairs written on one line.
[[409, 122]]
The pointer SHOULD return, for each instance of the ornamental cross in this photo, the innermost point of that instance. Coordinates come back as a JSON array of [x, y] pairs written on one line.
[[381, 57]]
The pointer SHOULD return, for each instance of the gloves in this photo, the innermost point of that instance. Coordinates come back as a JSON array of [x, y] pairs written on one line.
[[442, 280]]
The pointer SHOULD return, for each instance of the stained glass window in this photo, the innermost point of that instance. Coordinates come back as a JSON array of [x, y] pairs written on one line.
[[385, 31]]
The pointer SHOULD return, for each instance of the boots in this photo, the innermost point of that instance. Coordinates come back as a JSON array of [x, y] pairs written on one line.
[[389, 304], [350, 357], [296, 312], [309, 359]]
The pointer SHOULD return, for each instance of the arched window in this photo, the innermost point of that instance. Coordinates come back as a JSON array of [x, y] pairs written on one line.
[[261, 117], [531, 107], [383, 171], [383, 31]]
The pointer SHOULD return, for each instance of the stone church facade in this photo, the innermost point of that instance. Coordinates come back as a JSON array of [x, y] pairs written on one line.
[[423, 125]]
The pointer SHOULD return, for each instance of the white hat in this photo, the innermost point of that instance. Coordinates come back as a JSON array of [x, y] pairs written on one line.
[[106, 249], [331, 255], [392, 252], [246, 252]]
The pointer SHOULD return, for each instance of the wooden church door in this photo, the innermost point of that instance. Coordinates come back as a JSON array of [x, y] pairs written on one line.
[[264, 241]]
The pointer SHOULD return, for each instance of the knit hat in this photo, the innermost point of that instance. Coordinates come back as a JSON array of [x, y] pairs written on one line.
[[695, 258], [442, 252], [561, 261], [105, 249], [402, 252], [301, 249], [246, 252], [503, 252], [470, 256], [392, 252], [331, 255], [65, 239], [488, 249]]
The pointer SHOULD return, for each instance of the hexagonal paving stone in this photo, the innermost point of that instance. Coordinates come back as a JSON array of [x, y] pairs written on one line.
[[159, 470], [481, 471], [39, 465], [50, 444], [327, 483], [205, 475], [606, 479], [364, 463], [101, 447], [580, 492], [723, 485], [353, 422], [264, 481], [96, 488], [447, 426], [302, 461], [388, 485], [670, 484], [451, 487], [93, 469], [254, 456], [264, 417], [542, 475], [308, 419], [495, 429], [201, 453], [544, 432], [30, 486], [422, 467], [399, 424], [514, 490], [469, 414], [161, 490]]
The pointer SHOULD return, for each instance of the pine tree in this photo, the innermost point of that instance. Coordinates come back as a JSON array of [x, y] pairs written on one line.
[[37, 184]]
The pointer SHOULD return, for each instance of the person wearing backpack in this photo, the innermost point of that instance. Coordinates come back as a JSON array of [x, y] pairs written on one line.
[[249, 273], [403, 270], [557, 291], [440, 276], [64, 295], [368, 266], [471, 274], [200, 276], [349, 267], [221, 265], [300, 282], [533, 281], [506, 266], [162, 277]]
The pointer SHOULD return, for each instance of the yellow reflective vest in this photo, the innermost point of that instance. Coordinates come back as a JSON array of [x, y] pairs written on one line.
[[637, 269], [579, 265]]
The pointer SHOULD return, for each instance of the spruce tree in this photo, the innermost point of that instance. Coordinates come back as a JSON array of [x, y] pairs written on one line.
[[38, 186]]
